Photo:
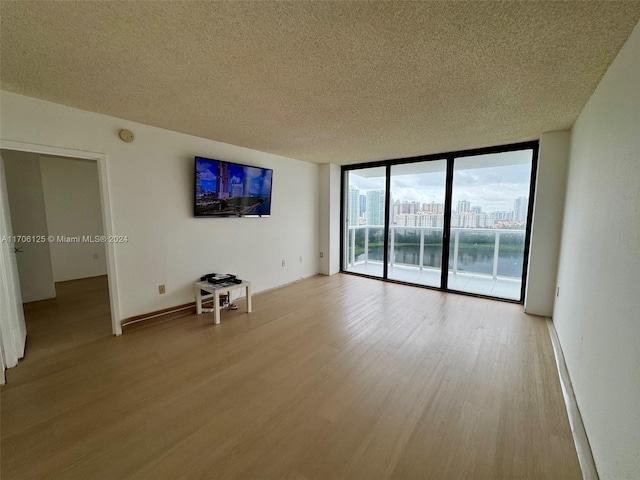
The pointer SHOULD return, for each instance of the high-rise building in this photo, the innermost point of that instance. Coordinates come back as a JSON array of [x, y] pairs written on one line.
[[476, 210], [247, 185], [503, 216], [223, 180], [406, 220], [353, 205], [410, 207], [467, 220], [520, 207], [362, 206], [237, 190], [433, 207], [199, 189], [437, 220], [375, 207], [483, 220], [397, 210], [464, 206]]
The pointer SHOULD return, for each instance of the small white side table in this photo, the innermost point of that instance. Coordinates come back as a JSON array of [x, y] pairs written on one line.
[[216, 291]]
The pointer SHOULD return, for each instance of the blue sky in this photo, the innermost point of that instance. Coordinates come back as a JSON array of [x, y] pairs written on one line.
[[259, 179]]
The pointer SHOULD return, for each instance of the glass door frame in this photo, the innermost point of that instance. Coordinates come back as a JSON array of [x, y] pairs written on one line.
[[450, 158]]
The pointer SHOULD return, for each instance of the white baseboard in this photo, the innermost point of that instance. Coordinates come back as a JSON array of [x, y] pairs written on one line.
[[583, 449]]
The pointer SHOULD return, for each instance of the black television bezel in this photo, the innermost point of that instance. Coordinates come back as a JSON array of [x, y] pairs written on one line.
[[195, 189]]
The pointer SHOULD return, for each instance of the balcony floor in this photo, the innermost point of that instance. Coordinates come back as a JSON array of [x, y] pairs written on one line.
[[464, 282]]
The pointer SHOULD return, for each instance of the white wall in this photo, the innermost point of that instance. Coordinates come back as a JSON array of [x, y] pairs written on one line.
[[151, 188], [597, 315], [551, 179], [329, 218], [73, 206], [28, 218]]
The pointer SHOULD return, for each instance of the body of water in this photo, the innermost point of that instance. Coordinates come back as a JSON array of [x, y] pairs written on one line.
[[470, 259]]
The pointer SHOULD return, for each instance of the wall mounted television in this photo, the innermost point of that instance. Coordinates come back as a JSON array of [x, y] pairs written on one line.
[[225, 189]]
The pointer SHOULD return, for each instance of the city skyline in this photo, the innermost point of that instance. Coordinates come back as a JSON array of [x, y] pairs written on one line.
[[415, 214], [494, 196], [228, 180], [492, 189], [358, 201]]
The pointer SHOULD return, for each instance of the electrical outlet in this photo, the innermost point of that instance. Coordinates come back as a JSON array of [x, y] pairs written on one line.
[[283, 263], [321, 254], [162, 289], [95, 256]]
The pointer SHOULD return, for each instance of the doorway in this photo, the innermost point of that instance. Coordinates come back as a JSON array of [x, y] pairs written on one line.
[[58, 234], [57, 221], [11, 284]]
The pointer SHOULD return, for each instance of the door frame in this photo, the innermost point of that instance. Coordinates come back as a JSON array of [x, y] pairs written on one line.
[[105, 200]]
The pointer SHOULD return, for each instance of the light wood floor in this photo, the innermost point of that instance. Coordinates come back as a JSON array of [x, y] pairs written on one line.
[[331, 378]]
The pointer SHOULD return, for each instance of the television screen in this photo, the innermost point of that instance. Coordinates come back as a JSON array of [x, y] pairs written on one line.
[[225, 189]]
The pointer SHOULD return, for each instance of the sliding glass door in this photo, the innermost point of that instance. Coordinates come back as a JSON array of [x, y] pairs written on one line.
[[416, 224], [365, 221], [457, 222], [490, 204]]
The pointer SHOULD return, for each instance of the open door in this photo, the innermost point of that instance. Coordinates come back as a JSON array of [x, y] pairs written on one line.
[[13, 331]]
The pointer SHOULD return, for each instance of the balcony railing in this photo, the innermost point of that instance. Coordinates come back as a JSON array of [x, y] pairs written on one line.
[[422, 232]]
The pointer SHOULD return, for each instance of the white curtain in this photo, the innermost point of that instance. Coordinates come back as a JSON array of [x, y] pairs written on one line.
[[13, 331]]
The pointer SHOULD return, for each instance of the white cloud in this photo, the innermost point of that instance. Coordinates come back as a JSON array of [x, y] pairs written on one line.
[[207, 176], [491, 188]]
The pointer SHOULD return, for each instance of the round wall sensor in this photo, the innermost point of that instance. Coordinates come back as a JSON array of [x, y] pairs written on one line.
[[126, 136]]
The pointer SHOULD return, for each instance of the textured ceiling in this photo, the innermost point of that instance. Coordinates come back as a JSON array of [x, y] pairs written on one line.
[[340, 82]]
